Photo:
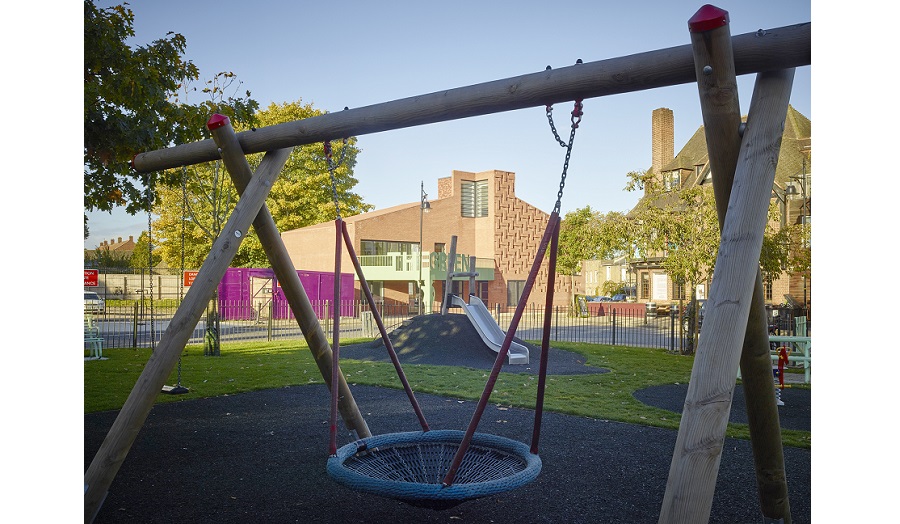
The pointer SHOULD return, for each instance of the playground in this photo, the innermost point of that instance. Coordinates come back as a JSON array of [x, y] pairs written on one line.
[[259, 456]]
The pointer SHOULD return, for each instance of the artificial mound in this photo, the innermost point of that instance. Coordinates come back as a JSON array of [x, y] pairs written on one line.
[[451, 340]]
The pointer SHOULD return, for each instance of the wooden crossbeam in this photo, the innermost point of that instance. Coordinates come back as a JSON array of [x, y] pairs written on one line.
[[772, 49]]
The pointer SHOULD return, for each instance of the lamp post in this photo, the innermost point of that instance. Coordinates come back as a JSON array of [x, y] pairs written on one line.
[[424, 207]]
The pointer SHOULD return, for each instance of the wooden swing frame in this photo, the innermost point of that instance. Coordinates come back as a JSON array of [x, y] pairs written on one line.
[[713, 60]]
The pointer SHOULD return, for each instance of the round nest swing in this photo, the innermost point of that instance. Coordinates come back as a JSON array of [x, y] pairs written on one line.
[[411, 466]]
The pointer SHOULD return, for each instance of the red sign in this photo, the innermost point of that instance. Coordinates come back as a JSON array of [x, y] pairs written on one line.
[[91, 277], [189, 277]]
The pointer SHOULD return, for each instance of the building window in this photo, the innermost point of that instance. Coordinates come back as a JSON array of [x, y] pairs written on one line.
[[514, 290], [672, 180], [384, 247], [678, 291], [767, 287], [481, 290], [377, 290], [645, 285], [474, 198], [439, 247]]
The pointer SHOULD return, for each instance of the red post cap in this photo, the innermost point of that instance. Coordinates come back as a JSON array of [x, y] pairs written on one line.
[[707, 18], [216, 121], [132, 161]]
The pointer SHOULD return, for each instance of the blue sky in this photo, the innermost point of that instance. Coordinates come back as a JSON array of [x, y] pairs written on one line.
[[354, 54]]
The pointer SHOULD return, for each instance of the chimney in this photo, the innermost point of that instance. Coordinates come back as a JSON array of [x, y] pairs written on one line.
[[663, 138], [120, 240], [131, 238]]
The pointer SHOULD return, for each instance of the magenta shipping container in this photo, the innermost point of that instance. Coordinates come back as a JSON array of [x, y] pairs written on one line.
[[252, 293]]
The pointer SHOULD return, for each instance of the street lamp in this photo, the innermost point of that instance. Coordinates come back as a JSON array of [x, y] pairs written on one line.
[[424, 207]]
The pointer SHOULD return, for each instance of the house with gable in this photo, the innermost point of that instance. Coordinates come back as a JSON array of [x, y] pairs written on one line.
[[792, 191]]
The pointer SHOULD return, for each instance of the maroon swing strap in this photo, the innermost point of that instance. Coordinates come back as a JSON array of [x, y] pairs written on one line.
[[545, 342], [341, 231], [336, 344], [384, 335], [552, 229]]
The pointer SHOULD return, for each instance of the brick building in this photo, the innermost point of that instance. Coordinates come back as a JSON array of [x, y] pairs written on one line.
[[402, 245], [690, 167]]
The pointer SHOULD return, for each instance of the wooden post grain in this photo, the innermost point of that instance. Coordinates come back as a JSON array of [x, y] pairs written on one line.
[[131, 417], [777, 48], [267, 231], [719, 104], [701, 434]]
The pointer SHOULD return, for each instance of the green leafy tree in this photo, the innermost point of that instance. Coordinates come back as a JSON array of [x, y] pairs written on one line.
[[135, 101], [196, 209], [577, 240], [141, 257]]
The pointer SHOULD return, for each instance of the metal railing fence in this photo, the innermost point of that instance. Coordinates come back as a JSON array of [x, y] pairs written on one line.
[[133, 324]]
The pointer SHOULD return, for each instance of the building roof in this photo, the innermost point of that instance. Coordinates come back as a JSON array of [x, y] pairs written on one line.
[[793, 158]]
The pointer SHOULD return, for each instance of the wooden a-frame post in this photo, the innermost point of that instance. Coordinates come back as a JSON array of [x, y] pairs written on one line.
[[131, 417], [717, 84], [267, 231], [701, 434]]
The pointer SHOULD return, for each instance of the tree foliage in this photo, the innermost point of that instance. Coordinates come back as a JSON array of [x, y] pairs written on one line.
[[578, 240], [106, 258], [195, 209], [141, 257], [135, 100]]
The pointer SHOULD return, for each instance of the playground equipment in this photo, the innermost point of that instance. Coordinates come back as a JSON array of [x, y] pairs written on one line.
[[487, 328], [746, 154], [475, 310], [416, 467]]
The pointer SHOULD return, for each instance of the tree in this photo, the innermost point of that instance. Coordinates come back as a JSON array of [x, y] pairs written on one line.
[[104, 257], [141, 257], [133, 103], [577, 240], [301, 196]]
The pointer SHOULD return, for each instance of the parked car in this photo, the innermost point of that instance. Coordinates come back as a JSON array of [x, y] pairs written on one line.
[[600, 299], [618, 298], [94, 303]]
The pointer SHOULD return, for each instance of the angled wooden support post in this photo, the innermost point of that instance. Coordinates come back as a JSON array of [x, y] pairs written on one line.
[[267, 231], [134, 412], [719, 104], [448, 282], [701, 434]]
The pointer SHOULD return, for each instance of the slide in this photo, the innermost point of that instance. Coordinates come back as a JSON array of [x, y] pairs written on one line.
[[488, 329]]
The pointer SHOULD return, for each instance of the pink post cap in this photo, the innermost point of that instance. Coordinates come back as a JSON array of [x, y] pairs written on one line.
[[707, 18], [216, 121]]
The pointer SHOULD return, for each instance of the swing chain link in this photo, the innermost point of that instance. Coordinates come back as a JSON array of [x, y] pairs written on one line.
[[150, 257], [577, 113], [331, 168]]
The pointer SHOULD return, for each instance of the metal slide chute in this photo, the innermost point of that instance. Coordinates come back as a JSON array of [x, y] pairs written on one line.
[[489, 330]]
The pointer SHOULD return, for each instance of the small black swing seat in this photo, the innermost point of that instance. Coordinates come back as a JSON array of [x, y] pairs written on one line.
[[411, 467]]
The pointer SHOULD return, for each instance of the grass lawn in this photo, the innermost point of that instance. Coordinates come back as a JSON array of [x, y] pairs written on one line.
[[254, 366]]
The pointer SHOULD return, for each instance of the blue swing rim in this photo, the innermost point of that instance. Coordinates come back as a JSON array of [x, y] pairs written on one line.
[[418, 492]]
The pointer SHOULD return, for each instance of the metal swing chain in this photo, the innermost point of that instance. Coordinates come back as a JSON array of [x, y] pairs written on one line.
[[577, 113], [331, 168], [181, 283], [150, 257]]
